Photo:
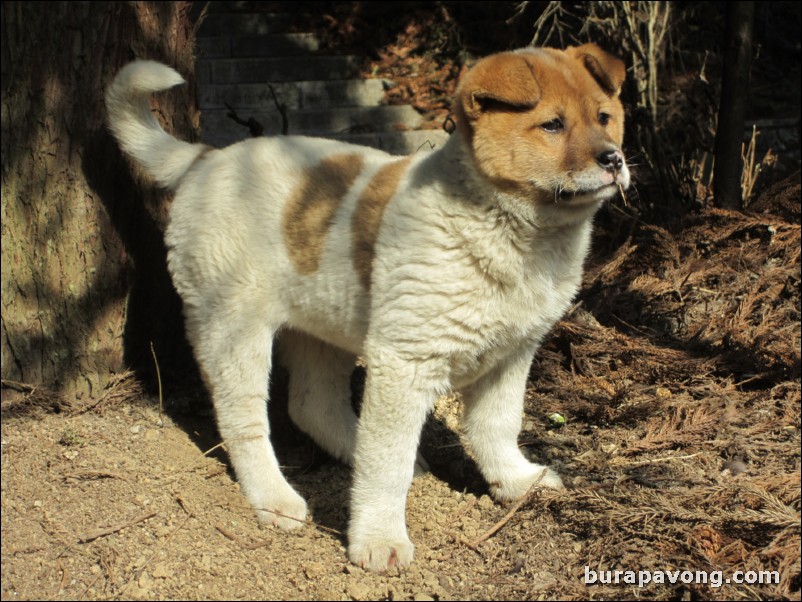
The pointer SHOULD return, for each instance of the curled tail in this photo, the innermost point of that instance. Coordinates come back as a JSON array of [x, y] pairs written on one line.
[[164, 157]]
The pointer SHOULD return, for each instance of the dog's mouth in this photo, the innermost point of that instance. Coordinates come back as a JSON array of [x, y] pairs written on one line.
[[591, 186], [581, 195]]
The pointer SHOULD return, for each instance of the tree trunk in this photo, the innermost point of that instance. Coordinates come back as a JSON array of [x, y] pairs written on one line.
[[84, 283], [733, 105]]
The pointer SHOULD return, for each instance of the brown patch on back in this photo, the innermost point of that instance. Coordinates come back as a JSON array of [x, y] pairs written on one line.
[[367, 217], [310, 210]]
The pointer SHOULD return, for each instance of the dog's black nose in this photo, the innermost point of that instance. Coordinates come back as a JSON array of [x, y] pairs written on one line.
[[611, 160]]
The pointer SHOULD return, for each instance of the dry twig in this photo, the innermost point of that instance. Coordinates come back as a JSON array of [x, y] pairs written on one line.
[[506, 518], [109, 530], [236, 538]]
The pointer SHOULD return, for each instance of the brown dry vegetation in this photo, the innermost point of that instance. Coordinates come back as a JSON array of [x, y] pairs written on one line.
[[681, 371]]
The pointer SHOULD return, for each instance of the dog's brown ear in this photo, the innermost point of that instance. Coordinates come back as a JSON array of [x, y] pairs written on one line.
[[608, 71], [501, 79]]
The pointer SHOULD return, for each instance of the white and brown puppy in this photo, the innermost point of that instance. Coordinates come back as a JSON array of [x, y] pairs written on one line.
[[444, 270]]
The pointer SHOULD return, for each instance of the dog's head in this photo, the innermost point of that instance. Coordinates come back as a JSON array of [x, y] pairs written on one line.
[[547, 124]]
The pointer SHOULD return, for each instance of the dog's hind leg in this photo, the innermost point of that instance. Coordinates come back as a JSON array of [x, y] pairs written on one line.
[[235, 357], [320, 392]]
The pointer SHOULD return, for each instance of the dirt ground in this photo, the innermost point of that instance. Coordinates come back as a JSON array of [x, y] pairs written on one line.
[[677, 374]]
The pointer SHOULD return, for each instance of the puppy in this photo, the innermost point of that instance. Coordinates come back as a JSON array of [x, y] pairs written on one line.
[[444, 270]]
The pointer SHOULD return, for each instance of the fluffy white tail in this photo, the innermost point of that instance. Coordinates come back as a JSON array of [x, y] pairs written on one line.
[[165, 158]]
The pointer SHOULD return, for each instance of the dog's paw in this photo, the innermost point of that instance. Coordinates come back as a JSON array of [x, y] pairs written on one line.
[[518, 484], [287, 511], [380, 556]]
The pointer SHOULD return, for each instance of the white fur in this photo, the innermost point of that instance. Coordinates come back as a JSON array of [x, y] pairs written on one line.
[[466, 282], [128, 103]]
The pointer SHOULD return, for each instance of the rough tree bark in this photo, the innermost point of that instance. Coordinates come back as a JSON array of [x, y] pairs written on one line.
[[84, 283], [733, 105]]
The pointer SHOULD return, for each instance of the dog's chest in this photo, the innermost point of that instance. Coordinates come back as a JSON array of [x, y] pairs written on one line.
[[474, 309], [523, 290], [501, 322]]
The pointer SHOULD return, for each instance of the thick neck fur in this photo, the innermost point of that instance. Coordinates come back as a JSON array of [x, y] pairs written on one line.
[[505, 233]]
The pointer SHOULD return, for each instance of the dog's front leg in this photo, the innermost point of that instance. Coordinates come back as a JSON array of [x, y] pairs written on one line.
[[398, 395], [491, 424]]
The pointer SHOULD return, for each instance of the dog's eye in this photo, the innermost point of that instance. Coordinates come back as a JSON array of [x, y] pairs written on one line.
[[553, 126], [604, 118]]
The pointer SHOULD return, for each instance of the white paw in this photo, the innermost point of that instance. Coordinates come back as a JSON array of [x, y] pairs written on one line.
[[379, 555], [517, 484], [286, 511]]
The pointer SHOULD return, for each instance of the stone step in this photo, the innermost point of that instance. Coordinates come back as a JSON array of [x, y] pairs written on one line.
[[258, 46], [244, 23], [294, 95], [220, 130], [240, 52], [395, 143], [260, 70], [398, 143]]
